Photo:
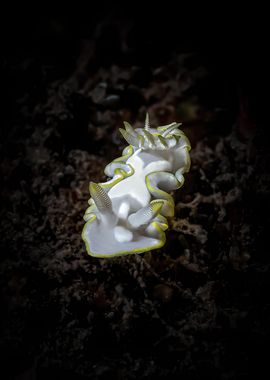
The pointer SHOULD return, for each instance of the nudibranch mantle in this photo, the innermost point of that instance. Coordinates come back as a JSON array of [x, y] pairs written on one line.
[[128, 213]]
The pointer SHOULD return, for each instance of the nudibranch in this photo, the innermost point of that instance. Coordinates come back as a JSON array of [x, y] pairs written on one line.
[[128, 213]]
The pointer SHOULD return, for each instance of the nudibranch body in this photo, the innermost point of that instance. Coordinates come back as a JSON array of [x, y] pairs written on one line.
[[128, 213]]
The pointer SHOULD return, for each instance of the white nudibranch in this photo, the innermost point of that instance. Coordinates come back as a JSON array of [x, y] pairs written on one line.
[[128, 213]]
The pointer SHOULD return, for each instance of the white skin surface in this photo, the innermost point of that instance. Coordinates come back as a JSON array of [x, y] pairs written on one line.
[[143, 163]]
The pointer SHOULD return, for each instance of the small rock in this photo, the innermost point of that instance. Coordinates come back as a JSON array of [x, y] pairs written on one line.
[[111, 101], [163, 293]]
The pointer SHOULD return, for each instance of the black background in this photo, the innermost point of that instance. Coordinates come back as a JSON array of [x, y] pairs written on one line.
[[195, 309]]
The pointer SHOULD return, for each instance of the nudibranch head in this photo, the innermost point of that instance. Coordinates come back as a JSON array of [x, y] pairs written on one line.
[[160, 138], [128, 213]]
